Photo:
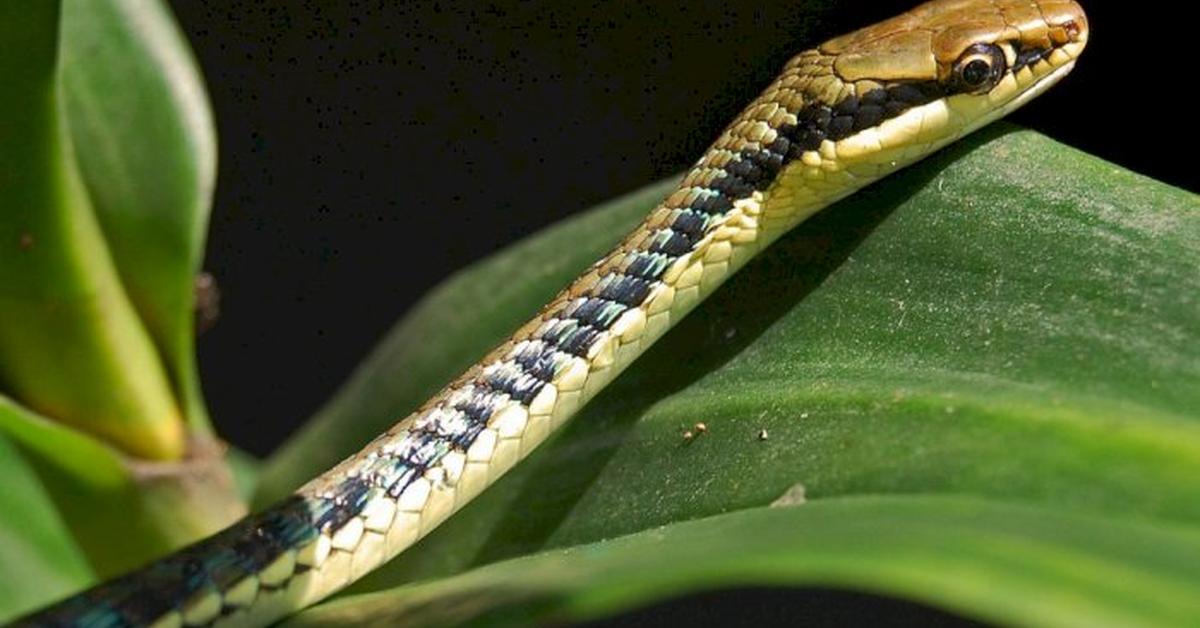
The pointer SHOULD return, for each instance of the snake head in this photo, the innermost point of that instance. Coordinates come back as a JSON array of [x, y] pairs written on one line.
[[998, 49], [963, 44], [870, 102]]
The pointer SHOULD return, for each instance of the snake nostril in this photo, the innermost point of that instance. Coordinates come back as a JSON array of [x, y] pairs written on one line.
[[1072, 28]]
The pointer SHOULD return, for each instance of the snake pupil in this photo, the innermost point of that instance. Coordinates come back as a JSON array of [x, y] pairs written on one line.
[[976, 72]]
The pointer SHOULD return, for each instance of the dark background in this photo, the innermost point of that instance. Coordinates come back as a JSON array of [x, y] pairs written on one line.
[[369, 149]]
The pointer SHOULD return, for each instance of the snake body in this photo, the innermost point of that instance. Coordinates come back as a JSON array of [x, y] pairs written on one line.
[[837, 118]]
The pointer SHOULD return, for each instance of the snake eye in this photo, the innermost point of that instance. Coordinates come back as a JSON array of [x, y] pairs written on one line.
[[976, 71], [979, 68]]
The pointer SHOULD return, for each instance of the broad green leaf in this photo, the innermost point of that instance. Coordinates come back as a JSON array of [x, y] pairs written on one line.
[[43, 562], [146, 146], [988, 559], [71, 344], [1011, 319]]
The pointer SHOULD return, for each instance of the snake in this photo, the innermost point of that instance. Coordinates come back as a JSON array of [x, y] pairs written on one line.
[[838, 117]]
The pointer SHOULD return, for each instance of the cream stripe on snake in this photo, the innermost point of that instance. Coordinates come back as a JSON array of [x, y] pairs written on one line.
[[838, 117]]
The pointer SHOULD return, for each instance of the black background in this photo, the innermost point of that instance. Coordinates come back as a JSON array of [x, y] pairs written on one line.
[[369, 149]]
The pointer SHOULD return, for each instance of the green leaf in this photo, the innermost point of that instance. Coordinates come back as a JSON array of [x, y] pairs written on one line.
[[44, 563], [146, 146], [71, 344], [1002, 562], [1010, 319], [89, 405]]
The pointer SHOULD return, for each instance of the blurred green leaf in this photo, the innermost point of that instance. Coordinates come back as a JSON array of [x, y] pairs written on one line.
[[245, 469], [145, 142], [998, 561], [71, 344], [121, 512], [1011, 319], [74, 354], [43, 562]]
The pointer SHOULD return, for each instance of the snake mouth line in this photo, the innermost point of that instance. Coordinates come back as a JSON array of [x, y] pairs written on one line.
[[1024, 95], [1042, 84]]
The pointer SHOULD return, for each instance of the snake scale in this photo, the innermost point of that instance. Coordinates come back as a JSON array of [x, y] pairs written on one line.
[[838, 117]]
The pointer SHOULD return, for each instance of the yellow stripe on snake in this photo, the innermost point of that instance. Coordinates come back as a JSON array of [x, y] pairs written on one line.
[[837, 118]]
